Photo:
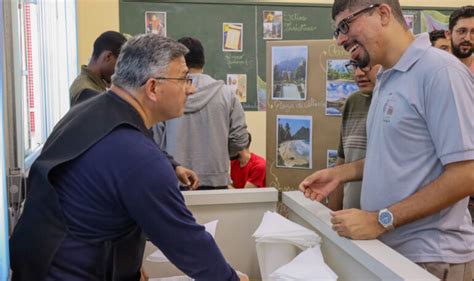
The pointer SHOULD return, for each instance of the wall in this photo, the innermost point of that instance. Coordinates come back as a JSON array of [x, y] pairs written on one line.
[[97, 16]]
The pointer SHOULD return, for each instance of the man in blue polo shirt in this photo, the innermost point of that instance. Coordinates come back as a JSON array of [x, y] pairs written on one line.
[[417, 174]]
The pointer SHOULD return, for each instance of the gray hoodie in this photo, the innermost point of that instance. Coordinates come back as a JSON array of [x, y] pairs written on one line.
[[211, 128]]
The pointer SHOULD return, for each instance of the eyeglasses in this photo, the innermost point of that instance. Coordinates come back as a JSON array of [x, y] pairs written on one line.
[[188, 80], [353, 65], [343, 26], [462, 31]]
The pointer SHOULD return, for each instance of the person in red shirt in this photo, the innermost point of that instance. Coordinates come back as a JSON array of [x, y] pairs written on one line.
[[248, 170]]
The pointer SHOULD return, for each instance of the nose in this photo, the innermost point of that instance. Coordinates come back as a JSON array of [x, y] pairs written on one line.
[[358, 72], [341, 39], [469, 35]]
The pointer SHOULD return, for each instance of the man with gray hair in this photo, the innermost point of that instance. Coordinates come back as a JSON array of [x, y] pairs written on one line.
[[417, 173], [101, 184]]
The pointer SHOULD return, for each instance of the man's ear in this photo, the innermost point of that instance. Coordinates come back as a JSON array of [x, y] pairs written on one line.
[[152, 89], [447, 33], [106, 56], [385, 13]]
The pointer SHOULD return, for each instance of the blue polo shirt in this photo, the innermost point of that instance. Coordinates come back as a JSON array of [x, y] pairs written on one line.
[[122, 181], [421, 118]]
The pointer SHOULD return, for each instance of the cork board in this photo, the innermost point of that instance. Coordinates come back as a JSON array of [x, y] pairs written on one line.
[[325, 129]]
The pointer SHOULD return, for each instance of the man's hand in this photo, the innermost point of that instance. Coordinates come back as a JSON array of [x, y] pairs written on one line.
[[187, 177], [242, 276], [143, 275], [318, 185], [357, 224]]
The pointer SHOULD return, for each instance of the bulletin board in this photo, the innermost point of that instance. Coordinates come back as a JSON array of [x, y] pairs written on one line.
[[325, 128]]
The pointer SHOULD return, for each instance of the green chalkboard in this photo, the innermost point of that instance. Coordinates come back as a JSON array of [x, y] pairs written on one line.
[[204, 20]]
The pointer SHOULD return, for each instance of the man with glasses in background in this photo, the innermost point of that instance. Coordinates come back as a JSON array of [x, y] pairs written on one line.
[[96, 190], [417, 173], [461, 34], [212, 128], [353, 141]]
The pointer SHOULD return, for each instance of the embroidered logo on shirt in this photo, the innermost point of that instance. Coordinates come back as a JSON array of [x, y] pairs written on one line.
[[388, 108]]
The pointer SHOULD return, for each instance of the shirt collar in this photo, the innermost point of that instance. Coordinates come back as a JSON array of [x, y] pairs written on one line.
[[97, 80], [413, 53]]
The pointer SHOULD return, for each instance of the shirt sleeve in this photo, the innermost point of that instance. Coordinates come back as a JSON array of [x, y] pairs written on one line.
[[257, 175], [449, 104], [152, 197], [238, 134]]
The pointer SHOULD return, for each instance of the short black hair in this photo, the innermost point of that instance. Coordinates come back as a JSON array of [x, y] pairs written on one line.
[[108, 41], [195, 57], [437, 34], [463, 12]]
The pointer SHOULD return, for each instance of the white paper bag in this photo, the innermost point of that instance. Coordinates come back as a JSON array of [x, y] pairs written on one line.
[[309, 265], [272, 256]]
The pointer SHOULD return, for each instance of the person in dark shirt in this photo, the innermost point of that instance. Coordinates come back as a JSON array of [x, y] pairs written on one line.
[[97, 74], [119, 188]]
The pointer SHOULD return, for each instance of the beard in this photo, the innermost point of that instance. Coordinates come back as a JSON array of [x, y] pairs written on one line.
[[459, 53], [364, 60]]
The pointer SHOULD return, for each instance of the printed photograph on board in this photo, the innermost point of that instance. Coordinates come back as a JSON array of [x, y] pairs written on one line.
[[294, 137], [289, 68], [232, 37], [272, 24], [331, 158], [238, 83], [410, 20], [339, 85], [155, 22]]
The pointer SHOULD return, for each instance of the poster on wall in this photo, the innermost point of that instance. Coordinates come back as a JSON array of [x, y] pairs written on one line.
[[410, 20], [433, 20], [272, 24], [232, 37], [331, 158], [339, 85], [238, 83], [289, 68], [294, 141], [155, 22]]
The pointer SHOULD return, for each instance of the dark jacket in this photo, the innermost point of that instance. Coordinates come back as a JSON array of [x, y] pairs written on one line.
[[42, 227]]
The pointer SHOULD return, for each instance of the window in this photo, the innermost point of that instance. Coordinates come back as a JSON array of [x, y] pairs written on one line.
[[47, 66]]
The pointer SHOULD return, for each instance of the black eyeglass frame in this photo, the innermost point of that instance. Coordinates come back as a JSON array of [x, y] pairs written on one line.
[[188, 80], [343, 26], [353, 65]]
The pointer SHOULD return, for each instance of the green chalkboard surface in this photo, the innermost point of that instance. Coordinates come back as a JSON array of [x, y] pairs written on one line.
[[204, 20]]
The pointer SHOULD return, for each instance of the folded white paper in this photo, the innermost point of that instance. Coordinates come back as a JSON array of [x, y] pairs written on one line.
[[279, 241], [309, 265], [158, 255], [272, 256], [274, 228]]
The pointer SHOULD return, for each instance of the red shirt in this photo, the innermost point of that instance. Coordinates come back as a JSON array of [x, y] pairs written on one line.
[[254, 172]]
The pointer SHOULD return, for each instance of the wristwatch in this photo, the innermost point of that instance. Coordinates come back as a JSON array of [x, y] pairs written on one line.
[[386, 219]]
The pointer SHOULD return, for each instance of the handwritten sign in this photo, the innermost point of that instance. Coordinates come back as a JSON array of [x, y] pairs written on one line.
[[233, 59], [297, 23], [309, 103]]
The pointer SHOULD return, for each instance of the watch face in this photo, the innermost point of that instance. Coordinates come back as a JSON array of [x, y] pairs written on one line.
[[385, 218]]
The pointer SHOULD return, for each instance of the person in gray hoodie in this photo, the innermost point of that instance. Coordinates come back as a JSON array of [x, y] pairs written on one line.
[[212, 129]]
